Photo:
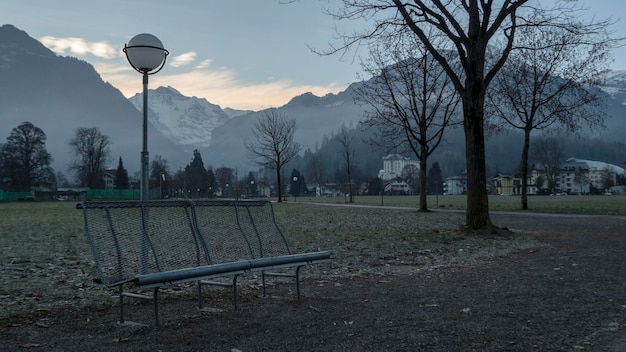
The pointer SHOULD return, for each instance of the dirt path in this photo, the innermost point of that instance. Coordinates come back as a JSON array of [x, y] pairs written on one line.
[[568, 295]]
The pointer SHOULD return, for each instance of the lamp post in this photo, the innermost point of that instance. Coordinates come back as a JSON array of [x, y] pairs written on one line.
[[381, 174], [295, 183], [146, 55]]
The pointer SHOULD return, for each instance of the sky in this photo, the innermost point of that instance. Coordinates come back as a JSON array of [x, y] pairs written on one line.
[[245, 54]]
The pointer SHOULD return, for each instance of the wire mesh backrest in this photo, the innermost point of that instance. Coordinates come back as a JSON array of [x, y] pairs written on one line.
[[259, 225], [130, 238], [221, 230]]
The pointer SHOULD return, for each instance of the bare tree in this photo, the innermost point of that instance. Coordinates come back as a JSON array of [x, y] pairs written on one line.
[[274, 145], [24, 160], [315, 170], [410, 101], [482, 34], [92, 150], [548, 81], [225, 178], [160, 174], [608, 178], [348, 153], [548, 154]]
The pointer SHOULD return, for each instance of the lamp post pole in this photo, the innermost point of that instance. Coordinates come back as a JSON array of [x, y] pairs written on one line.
[[145, 158], [146, 55], [381, 174]]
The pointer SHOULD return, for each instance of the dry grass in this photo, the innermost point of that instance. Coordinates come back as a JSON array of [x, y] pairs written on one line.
[[46, 263], [607, 205]]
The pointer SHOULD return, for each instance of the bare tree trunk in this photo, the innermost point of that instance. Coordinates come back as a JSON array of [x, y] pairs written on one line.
[[423, 186], [280, 185], [477, 214], [524, 167]]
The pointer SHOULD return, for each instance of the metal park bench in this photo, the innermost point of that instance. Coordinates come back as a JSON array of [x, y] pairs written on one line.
[[152, 244]]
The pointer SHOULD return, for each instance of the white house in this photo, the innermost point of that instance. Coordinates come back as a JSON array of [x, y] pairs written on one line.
[[394, 164], [580, 176], [455, 185]]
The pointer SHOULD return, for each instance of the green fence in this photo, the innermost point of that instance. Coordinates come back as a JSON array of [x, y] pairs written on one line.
[[113, 194], [16, 195]]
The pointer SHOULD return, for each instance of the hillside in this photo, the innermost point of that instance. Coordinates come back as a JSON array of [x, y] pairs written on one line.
[[61, 94]]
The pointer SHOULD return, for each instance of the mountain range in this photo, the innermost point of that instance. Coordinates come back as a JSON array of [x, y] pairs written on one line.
[[59, 94]]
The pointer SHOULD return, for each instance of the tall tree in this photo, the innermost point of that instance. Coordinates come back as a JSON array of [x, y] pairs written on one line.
[[160, 174], [297, 183], [251, 184], [435, 179], [548, 81], [196, 174], [274, 145], [212, 181], [482, 35], [348, 154], [225, 177], [61, 180], [91, 151], [411, 101], [24, 160], [548, 153], [121, 176], [315, 170]]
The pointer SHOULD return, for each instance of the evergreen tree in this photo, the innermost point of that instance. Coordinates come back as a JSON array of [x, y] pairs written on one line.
[[196, 174], [121, 176], [297, 184], [435, 180]]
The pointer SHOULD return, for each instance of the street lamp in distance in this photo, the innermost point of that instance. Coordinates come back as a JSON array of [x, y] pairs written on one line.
[[381, 174], [146, 55], [295, 182]]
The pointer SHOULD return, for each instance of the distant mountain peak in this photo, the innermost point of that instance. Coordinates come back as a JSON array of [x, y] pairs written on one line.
[[15, 41], [306, 99], [186, 121], [167, 90]]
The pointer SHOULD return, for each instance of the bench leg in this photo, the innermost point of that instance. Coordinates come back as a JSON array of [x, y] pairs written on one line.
[[156, 305], [121, 292], [235, 292], [298, 281], [263, 283], [199, 295]]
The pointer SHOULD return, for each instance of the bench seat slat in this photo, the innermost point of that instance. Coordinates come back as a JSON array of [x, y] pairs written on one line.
[[288, 260], [192, 274]]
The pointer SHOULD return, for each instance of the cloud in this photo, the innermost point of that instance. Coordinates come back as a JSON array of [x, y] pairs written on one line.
[[221, 87], [79, 46], [183, 59], [204, 64]]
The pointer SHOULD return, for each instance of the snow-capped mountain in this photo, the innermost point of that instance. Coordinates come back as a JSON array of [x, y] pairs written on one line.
[[615, 85], [61, 94], [186, 121]]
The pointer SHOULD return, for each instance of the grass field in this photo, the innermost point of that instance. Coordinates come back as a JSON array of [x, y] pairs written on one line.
[[608, 205], [46, 263]]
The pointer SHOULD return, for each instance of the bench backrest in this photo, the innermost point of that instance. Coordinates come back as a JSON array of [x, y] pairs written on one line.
[[236, 230], [260, 228], [131, 238], [218, 225]]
